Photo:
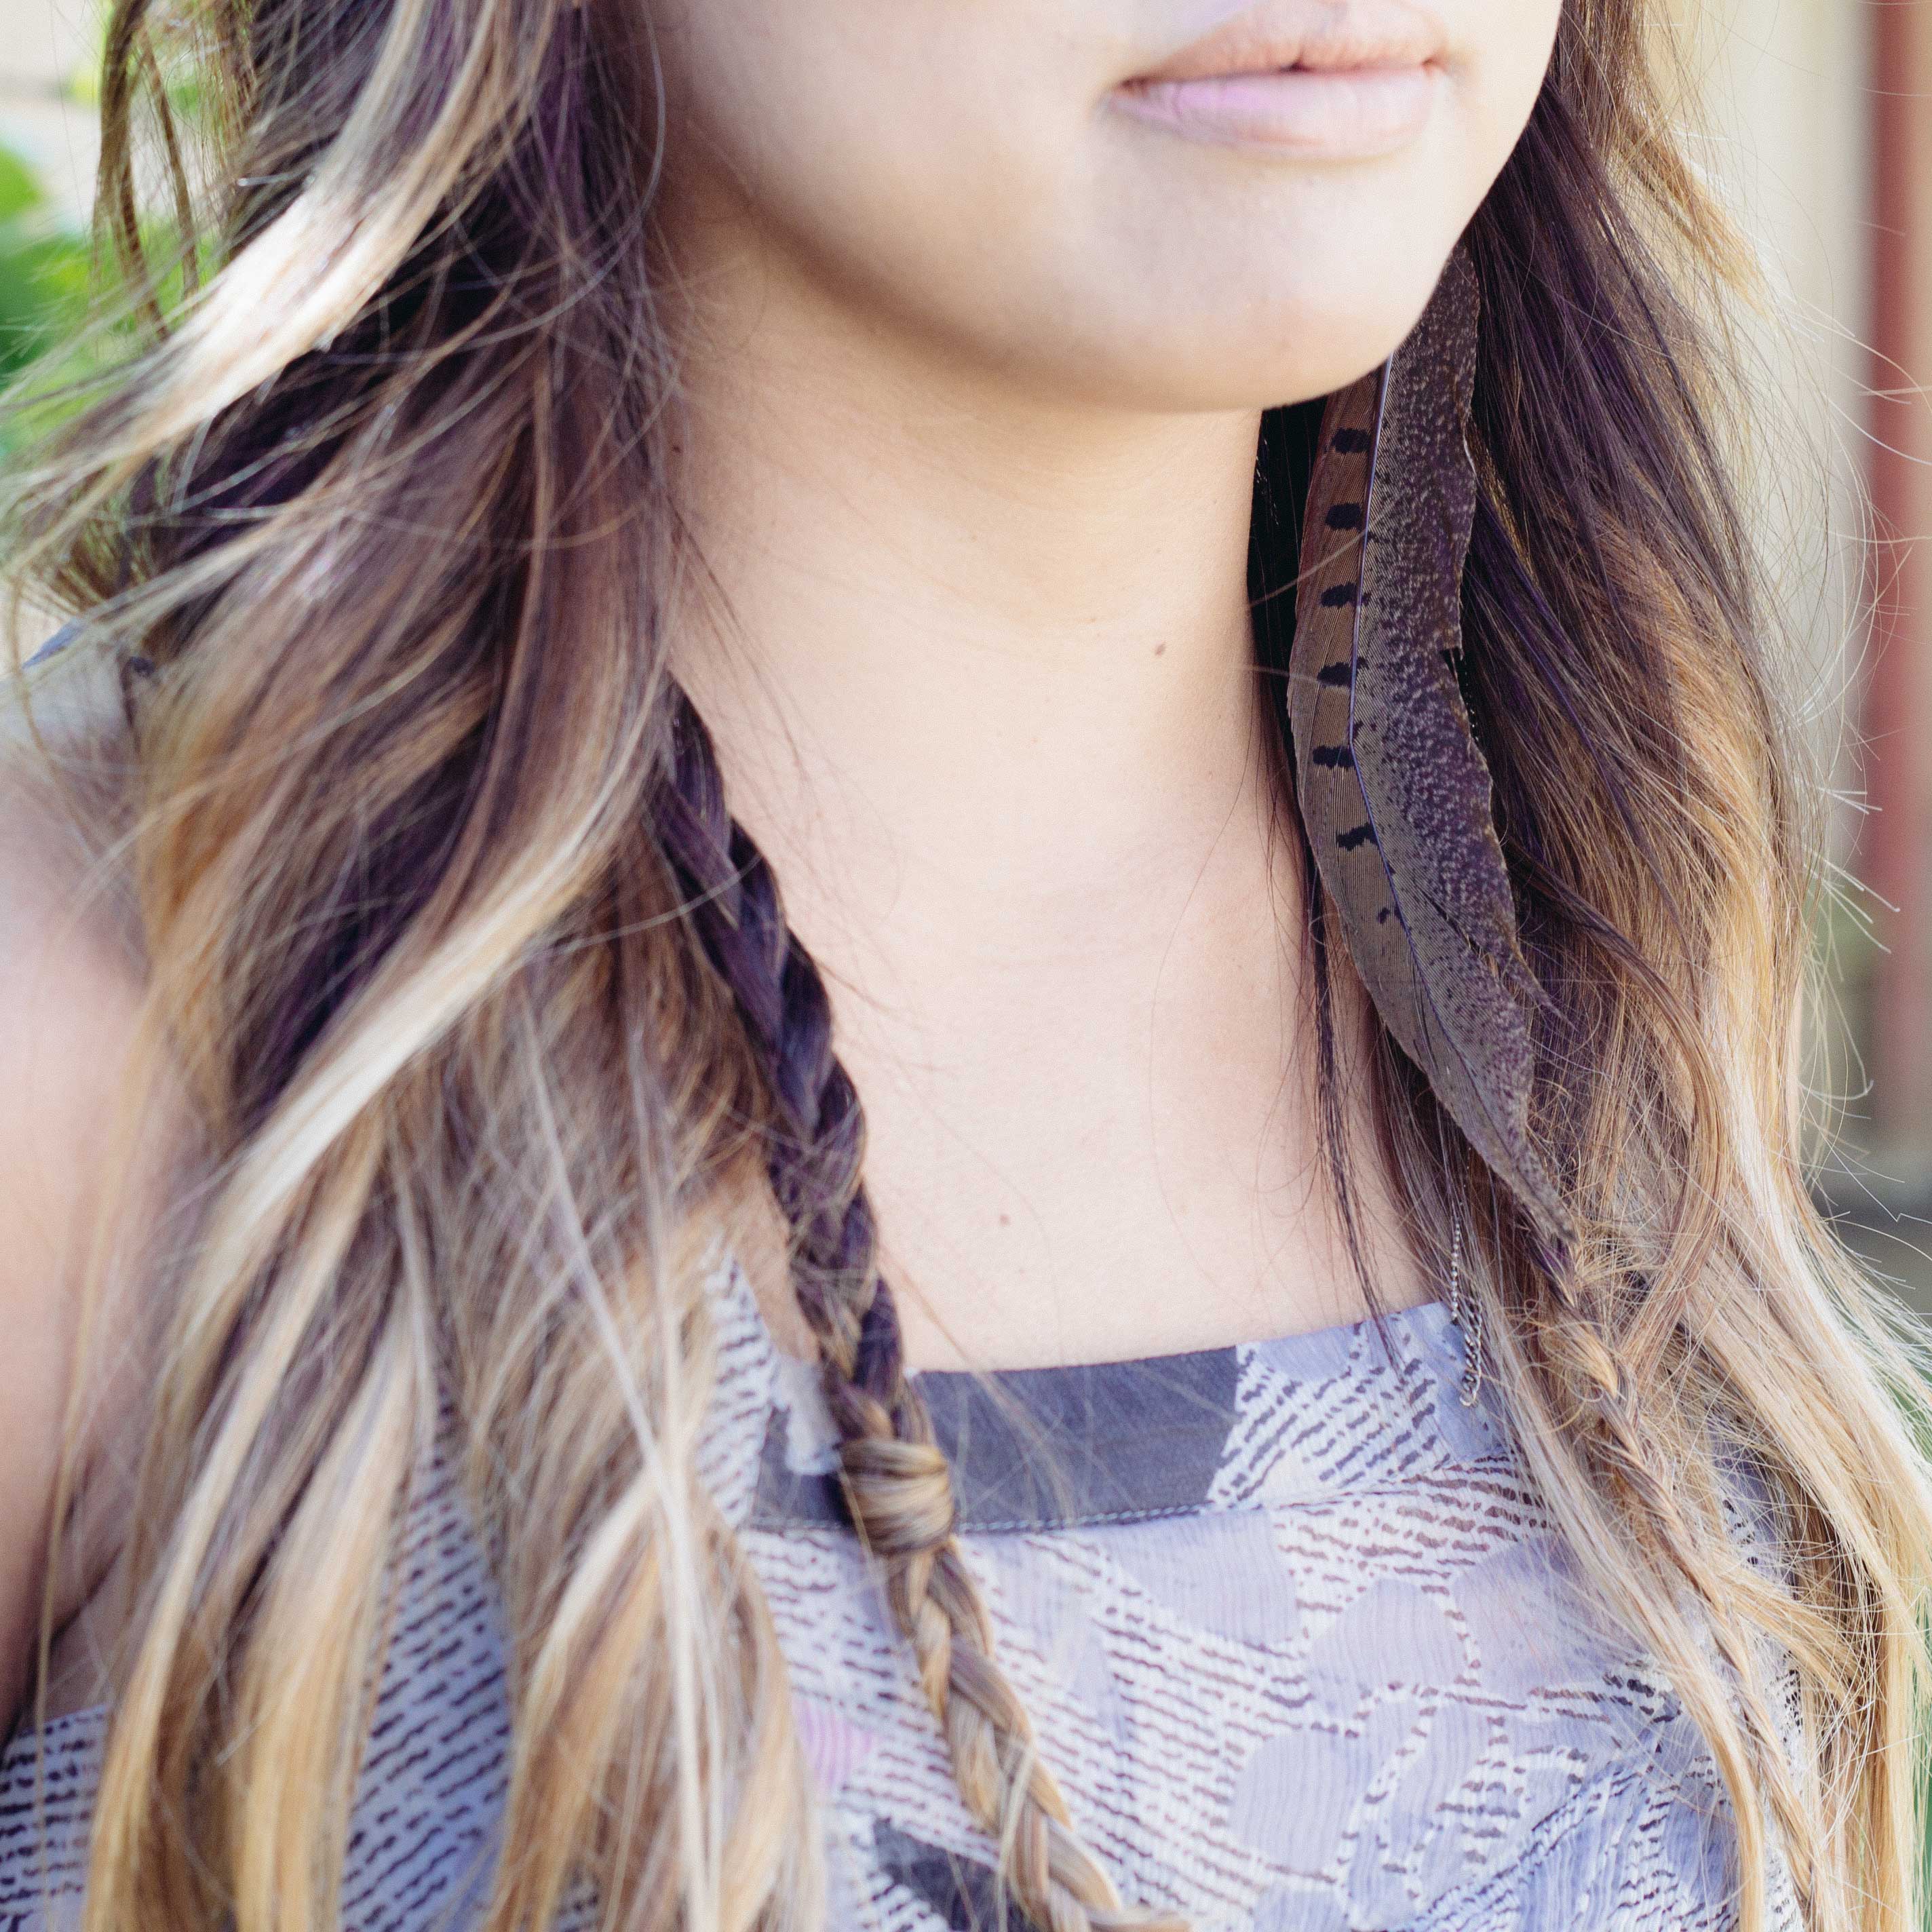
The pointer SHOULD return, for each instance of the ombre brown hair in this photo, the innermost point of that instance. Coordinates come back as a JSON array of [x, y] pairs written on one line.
[[490, 1021]]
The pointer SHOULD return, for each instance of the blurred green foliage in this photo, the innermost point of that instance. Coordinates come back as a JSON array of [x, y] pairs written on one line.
[[68, 311], [45, 272]]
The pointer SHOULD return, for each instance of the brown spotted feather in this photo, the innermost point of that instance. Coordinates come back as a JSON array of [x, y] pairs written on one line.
[[1394, 793]]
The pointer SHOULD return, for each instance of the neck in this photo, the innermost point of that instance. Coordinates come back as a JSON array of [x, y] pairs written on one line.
[[964, 642], [979, 669]]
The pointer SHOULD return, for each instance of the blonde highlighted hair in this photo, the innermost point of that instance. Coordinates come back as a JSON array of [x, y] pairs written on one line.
[[490, 1017]]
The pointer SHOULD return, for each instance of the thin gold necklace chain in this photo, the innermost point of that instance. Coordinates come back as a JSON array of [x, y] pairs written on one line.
[[1465, 1312]]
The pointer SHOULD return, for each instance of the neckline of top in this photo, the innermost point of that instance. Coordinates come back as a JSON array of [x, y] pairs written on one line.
[[1314, 1346], [1302, 1417], [1317, 1416]]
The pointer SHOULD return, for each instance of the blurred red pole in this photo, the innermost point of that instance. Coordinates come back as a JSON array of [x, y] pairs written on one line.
[[1895, 848]]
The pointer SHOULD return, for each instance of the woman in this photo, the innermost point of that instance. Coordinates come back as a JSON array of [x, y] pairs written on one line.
[[1323, 1403]]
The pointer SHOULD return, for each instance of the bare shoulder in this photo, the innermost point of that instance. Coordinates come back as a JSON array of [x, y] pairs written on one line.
[[72, 988]]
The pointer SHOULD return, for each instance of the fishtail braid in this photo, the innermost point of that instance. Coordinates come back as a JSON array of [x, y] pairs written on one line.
[[897, 1483]]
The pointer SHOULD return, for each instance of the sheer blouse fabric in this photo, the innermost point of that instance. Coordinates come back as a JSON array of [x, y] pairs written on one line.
[[1300, 1643]]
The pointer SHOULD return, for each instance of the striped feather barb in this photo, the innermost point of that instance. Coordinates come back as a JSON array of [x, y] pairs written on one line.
[[1394, 792]]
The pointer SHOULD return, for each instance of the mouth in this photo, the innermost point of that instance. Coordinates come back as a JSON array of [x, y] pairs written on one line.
[[1309, 78]]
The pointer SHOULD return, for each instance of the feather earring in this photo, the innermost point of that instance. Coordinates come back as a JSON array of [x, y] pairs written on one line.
[[1394, 793]]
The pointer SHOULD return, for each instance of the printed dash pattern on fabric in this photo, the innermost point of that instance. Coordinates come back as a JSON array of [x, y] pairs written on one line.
[[1302, 1646]]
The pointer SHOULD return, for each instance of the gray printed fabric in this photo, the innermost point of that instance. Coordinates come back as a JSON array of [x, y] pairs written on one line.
[[1302, 1646]]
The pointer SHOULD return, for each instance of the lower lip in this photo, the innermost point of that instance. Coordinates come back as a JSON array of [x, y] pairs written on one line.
[[1327, 114]]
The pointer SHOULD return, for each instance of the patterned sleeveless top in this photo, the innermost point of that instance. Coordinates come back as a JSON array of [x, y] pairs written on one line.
[[1302, 1646]]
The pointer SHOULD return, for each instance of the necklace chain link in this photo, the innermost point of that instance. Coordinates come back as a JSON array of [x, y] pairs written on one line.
[[1466, 1312]]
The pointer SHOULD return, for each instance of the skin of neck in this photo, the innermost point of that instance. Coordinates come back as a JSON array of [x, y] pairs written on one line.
[[979, 662]]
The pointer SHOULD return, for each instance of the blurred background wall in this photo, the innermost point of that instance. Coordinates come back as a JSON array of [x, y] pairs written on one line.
[[1813, 120]]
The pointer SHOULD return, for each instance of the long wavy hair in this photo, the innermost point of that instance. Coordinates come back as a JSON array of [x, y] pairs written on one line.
[[491, 1021]]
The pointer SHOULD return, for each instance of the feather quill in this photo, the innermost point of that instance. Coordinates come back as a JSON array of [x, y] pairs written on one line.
[[1394, 793]]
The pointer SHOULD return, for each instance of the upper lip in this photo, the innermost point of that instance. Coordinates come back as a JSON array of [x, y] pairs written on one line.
[[1328, 36]]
